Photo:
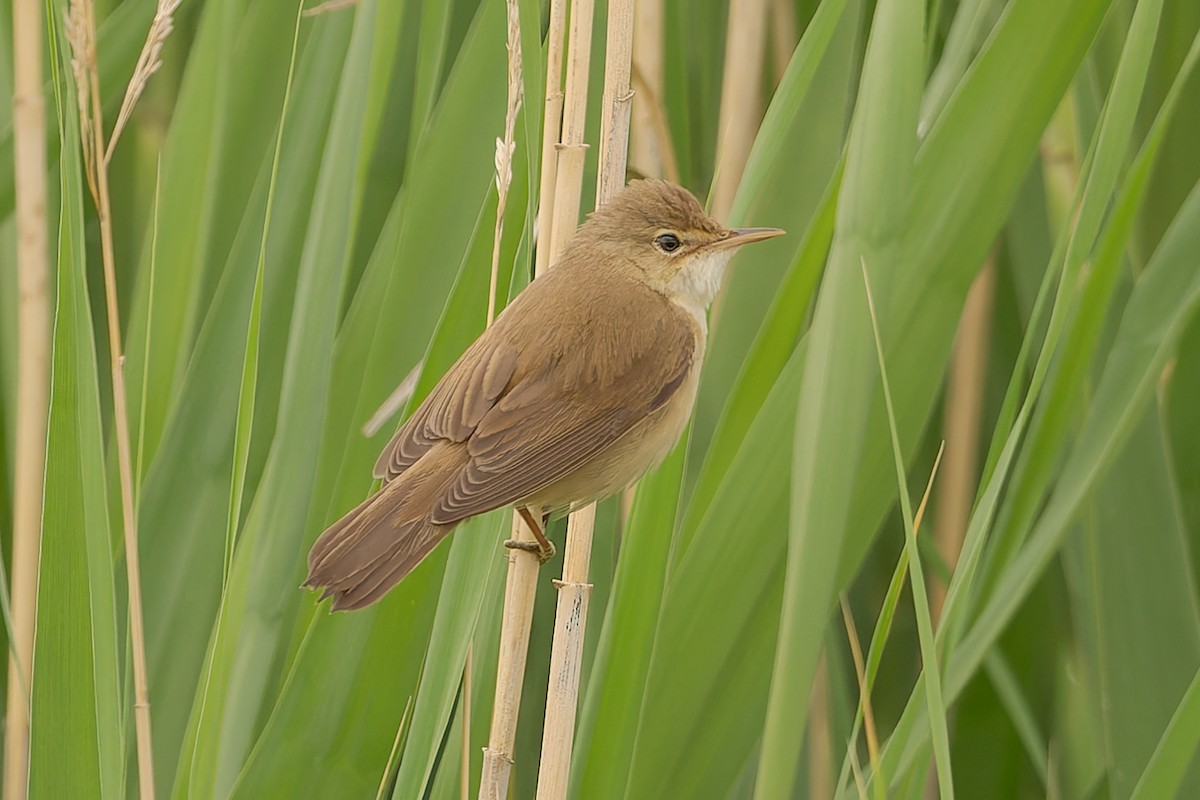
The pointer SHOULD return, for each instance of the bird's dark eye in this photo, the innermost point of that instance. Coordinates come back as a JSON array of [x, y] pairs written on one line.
[[667, 242]]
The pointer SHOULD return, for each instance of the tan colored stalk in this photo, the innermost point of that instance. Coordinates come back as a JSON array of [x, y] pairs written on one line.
[[33, 378], [82, 36], [860, 671], [649, 137], [645, 156], [783, 36], [661, 127], [519, 592], [741, 104], [964, 409], [551, 122], [571, 147], [820, 748], [521, 583], [566, 655], [505, 147]]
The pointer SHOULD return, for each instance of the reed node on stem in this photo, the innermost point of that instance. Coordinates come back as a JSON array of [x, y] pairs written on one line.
[[521, 583], [570, 621]]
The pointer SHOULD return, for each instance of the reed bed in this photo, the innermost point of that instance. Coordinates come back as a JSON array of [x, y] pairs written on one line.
[[204, 387]]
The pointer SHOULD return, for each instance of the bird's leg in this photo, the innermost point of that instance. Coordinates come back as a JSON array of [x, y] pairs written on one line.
[[543, 547]]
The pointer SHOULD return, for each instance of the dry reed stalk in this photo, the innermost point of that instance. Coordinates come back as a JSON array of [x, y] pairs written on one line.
[[325, 8], [566, 655], [820, 748], [551, 124], [860, 672], [783, 36], [571, 147], [964, 409], [741, 105], [33, 378], [519, 591], [649, 136], [81, 33], [645, 156], [505, 147], [394, 402], [521, 582], [661, 127], [616, 103], [856, 652]]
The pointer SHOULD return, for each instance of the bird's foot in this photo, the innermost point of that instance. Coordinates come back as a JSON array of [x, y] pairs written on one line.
[[544, 554], [540, 546]]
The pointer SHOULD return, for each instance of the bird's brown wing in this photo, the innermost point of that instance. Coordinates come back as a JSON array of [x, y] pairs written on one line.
[[561, 414], [455, 406], [532, 416]]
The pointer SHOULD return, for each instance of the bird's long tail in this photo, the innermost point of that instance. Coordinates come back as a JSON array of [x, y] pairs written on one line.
[[370, 549]]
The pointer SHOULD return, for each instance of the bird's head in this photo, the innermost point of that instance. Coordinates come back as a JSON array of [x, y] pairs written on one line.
[[659, 233]]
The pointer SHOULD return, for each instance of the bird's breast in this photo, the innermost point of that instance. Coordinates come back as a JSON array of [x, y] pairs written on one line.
[[645, 446]]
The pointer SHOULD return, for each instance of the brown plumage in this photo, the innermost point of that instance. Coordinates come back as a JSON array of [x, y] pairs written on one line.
[[583, 383]]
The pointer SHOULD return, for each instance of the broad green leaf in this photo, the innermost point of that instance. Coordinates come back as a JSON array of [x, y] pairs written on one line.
[[75, 703], [614, 693], [261, 581], [385, 333], [694, 716], [873, 210], [932, 674], [1175, 752], [185, 497], [785, 184], [1144, 635]]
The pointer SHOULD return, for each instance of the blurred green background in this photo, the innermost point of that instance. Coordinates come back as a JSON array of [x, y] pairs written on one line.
[[1039, 156]]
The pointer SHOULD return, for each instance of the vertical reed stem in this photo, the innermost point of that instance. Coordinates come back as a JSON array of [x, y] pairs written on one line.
[[33, 378], [644, 154], [571, 147], [98, 181], [964, 409], [497, 760], [521, 584], [741, 104], [566, 654], [551, 122], [519, 592]]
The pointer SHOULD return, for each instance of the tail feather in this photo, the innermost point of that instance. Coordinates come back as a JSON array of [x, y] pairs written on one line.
[[370, 549], [356, 562], [374, 546]]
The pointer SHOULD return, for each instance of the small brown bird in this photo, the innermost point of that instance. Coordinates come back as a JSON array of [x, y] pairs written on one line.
[[583, 383]]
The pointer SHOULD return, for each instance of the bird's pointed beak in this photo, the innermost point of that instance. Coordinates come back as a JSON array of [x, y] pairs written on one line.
[[741, 236]]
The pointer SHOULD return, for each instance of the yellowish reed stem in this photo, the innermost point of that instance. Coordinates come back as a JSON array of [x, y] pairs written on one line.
[[741, 101], [504, 154], [521, 583], [519, 592], [566, 655], [551, 122], [572, 149], [645, 156], [783, 36], [33, 379], [83, 37], [964, 410]]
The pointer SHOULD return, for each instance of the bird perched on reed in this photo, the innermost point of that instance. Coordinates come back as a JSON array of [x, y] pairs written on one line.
[[582, 384]]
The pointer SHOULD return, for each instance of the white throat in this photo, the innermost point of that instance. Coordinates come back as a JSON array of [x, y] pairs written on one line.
[[698, 282]]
